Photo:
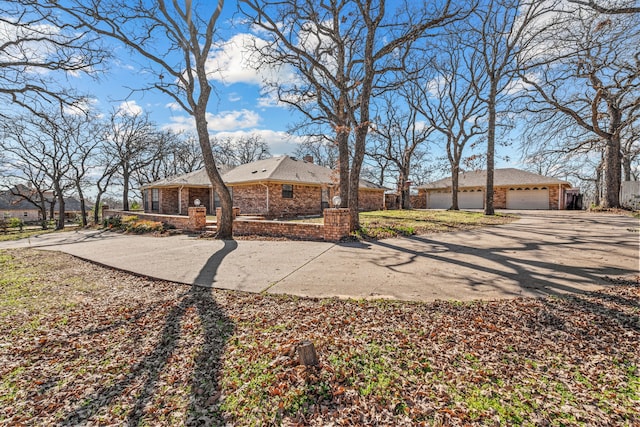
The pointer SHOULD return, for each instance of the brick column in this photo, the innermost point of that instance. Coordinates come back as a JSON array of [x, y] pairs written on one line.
[[104, 208], [197, 218], [336, 224]]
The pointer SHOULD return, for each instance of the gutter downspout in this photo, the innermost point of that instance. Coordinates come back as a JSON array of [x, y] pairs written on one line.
[[267, 187], [180, 199]]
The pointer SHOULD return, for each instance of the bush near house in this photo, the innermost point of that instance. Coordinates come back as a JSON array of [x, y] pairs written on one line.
[[132, 224]]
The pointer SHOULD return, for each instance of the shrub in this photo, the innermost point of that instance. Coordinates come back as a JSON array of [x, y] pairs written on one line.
[[112, 222], [143, 226], [16, 223]]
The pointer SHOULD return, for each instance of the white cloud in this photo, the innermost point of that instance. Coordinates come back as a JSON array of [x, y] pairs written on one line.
[[234, 62], [129, 108], [223, 121]]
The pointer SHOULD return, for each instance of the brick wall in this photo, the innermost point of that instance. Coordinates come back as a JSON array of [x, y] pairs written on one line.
[[293, 230], [500, 197], [252, 200], [370, 200], [419, 201], [168, 201]]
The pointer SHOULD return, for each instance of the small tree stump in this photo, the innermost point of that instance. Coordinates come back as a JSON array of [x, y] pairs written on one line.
[[307, 354]]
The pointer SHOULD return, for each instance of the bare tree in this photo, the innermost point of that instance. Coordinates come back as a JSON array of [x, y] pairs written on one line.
[[322, 149], [135, 143], [342, 52], [176, 40], [398, 136], [589, 74], [82, 134], [239, 151], [41, 142], [448, 97], [612, 10], [499, 31], [36, 56]]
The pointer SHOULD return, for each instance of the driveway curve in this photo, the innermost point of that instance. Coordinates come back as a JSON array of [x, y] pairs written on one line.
[[543, 253]]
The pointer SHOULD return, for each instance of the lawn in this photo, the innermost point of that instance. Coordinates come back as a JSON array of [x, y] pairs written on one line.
[[83, 344], [392, 223], [12, 234]]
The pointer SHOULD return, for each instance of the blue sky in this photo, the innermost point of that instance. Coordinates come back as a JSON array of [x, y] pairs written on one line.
[[238, 106]]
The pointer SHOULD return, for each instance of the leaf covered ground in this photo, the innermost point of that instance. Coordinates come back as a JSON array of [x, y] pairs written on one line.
[[82, 344]]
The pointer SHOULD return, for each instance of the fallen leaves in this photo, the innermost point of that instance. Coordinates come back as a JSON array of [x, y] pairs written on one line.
[[136, 351]]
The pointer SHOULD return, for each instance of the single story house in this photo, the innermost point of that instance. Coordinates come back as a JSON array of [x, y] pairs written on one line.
[[277, 187], [513, 189], [14, 203]]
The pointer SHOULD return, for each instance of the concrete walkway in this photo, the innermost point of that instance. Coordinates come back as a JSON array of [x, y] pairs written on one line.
[[543, 253]]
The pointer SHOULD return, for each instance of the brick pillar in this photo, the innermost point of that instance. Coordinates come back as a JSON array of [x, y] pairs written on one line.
[[197, 218], [104, 208], [336, 224]]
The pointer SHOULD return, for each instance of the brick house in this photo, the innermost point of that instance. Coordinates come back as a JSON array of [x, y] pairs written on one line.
[[513, 189], [277, 187], [14, 203]]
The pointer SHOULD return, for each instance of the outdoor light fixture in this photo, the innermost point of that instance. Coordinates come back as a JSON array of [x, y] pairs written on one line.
[[196, 202], [337, 201]]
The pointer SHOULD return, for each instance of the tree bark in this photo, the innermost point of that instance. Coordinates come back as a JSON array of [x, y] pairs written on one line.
[[491, 140]]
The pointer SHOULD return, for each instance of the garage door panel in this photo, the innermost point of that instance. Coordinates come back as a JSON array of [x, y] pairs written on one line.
[[471, 200], [439, 201], [528, 199]]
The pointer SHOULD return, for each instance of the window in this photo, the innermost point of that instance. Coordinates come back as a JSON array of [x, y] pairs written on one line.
[[155, 199], [25, 214], [287, 191]]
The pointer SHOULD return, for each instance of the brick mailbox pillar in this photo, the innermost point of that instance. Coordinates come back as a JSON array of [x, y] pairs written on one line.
[[197, 218], [102, 211], [336, 224]]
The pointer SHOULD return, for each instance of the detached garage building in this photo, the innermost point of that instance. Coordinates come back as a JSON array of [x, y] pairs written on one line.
[[513, 189]]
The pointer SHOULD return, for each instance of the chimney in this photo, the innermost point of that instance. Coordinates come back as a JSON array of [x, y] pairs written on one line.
[[308, 158]]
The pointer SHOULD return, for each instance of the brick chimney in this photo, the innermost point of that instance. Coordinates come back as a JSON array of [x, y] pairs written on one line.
[[308, 158]]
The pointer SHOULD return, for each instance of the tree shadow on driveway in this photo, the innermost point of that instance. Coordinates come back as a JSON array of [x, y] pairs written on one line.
[[538, 275], [195, 316]]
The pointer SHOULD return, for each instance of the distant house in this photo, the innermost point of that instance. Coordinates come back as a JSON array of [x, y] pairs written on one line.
[[513, 189], [274, 188], [15, 203]]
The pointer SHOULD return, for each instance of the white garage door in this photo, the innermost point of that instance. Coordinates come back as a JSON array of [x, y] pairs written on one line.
[[471, 200], [528, 198], [438, 200]]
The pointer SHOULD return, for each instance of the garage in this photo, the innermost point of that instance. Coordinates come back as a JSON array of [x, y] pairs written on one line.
[[439, 200], [528, 198], [471, 199]]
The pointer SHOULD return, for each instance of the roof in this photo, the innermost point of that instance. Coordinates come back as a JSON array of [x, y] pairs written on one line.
[[282, 169], [501, 178]]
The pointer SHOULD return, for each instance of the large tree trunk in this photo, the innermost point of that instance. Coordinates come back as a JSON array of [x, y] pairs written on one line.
[[83, 207], [354, 176], [612, 173], [125, 190], [626, 168], [491, 141], [455, 178], [225, 226], [342, 140]]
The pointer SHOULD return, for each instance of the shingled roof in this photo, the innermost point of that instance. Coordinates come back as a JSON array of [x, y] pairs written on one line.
[[501, 178], [282, 169]]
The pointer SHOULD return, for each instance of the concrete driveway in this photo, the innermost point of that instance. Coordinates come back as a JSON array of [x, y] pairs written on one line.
[[543, 253]]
